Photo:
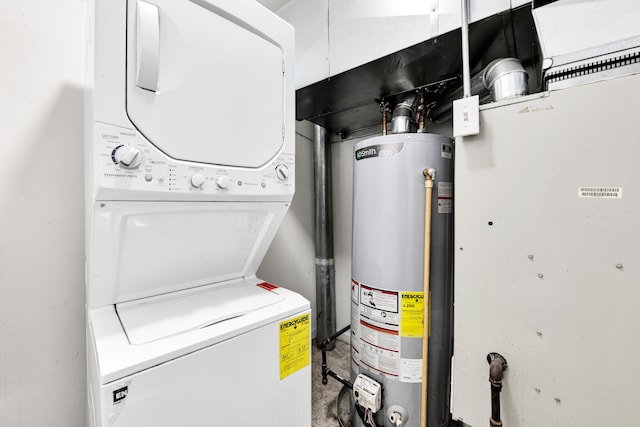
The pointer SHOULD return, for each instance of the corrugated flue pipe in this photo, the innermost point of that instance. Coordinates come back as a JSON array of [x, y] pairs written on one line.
[[325, 269]]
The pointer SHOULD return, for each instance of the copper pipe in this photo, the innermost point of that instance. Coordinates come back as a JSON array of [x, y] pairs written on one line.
[[421, 113], [384, 109]]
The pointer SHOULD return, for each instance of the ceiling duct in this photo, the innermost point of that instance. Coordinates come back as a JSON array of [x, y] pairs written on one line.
[[503, 78], [348, 104]]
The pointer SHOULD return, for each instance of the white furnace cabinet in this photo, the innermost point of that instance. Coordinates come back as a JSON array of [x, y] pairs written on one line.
[[547, 266], [189, 171]]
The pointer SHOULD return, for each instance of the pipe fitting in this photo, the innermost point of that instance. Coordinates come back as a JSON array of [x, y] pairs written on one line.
[[497, 365], [430, 176], [397, 415]]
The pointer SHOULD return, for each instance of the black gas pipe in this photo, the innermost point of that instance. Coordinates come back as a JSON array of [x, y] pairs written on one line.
[[328, 343], [497, 365]]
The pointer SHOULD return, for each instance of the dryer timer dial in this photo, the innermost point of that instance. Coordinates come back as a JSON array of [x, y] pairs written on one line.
[[197, 180], [282, 172], [127, 156]]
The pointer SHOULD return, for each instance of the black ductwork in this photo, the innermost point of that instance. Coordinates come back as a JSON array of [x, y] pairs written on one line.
[[348, 104]]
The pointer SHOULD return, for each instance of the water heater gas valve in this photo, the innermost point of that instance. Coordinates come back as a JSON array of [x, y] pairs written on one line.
[[367, 393]]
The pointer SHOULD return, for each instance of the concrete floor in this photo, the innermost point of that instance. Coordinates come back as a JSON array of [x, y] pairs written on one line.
[[324, 397]]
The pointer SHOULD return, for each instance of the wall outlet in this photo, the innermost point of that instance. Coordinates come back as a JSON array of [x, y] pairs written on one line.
[[466, 116]]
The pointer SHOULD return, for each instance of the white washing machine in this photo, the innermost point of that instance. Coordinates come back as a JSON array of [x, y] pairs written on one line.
[[190, 170]]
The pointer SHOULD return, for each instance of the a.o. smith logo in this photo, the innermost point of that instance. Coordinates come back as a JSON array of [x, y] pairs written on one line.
[[380, 150]]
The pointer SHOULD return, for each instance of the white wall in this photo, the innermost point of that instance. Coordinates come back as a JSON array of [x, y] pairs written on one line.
[[42, 346]]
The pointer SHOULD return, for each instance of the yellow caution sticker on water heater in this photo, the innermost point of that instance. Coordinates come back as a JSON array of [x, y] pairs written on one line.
[[295, 352], [411, 314]]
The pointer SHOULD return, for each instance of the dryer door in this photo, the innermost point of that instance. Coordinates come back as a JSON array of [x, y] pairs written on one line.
[[203, 85]]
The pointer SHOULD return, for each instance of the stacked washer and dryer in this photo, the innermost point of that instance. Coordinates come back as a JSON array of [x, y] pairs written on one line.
[[190, 170]]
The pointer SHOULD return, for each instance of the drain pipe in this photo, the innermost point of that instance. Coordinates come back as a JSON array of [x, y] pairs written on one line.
[[497, 365], [325, 269]]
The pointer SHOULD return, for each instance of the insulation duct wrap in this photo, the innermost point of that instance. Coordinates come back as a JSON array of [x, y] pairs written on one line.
[[387, 282]]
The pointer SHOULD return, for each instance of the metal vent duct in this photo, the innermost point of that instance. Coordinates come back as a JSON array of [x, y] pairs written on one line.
[[348, 103]]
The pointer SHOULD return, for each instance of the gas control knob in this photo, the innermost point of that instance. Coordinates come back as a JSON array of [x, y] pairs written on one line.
[[282, 172], [223, 182], [127, 156], [197, 180]]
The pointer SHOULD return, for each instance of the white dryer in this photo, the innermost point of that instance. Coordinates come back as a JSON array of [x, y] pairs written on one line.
[[190, 170]]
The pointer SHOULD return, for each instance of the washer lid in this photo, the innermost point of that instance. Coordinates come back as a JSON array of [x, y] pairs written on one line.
[[204, 85], [155, 318]]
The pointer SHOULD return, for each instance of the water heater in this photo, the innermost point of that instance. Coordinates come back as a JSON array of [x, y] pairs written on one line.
[[387, 274]]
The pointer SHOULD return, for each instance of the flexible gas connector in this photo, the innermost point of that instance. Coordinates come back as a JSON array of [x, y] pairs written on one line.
[[430, 176]]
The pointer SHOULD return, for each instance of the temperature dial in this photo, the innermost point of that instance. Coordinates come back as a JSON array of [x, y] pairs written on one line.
[[282, 172], [127, 156], [223, 182], [197, 180]]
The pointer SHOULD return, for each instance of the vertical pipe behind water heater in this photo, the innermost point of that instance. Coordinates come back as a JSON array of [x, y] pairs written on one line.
[[325, 269]]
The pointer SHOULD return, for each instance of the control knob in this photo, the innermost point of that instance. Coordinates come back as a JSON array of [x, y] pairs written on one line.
[[282, 172], [223, 182], [127, 156], [197, 180]]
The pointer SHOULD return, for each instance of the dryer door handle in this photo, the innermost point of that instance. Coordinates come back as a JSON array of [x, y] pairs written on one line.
[[148, 45]]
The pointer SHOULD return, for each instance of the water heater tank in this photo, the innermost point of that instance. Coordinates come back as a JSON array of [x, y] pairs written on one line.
[[387, 272]]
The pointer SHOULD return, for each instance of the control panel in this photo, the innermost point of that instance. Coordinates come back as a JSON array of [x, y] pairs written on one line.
[[125, 160]]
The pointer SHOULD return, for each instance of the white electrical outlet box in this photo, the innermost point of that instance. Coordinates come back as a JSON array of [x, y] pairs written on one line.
[[367, 393], [466, 116]]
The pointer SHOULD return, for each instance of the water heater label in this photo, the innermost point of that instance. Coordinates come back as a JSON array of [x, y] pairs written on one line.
[[445, 197], [379, 330], [355, 291], [379, 299], [447, 151], [382, 338], [411, 314], [379, 150], [411, 370], [385, 362], [294, 345]]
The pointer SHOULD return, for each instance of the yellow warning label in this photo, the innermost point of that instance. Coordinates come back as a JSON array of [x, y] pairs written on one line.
[[294, 345], [411, 314]]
